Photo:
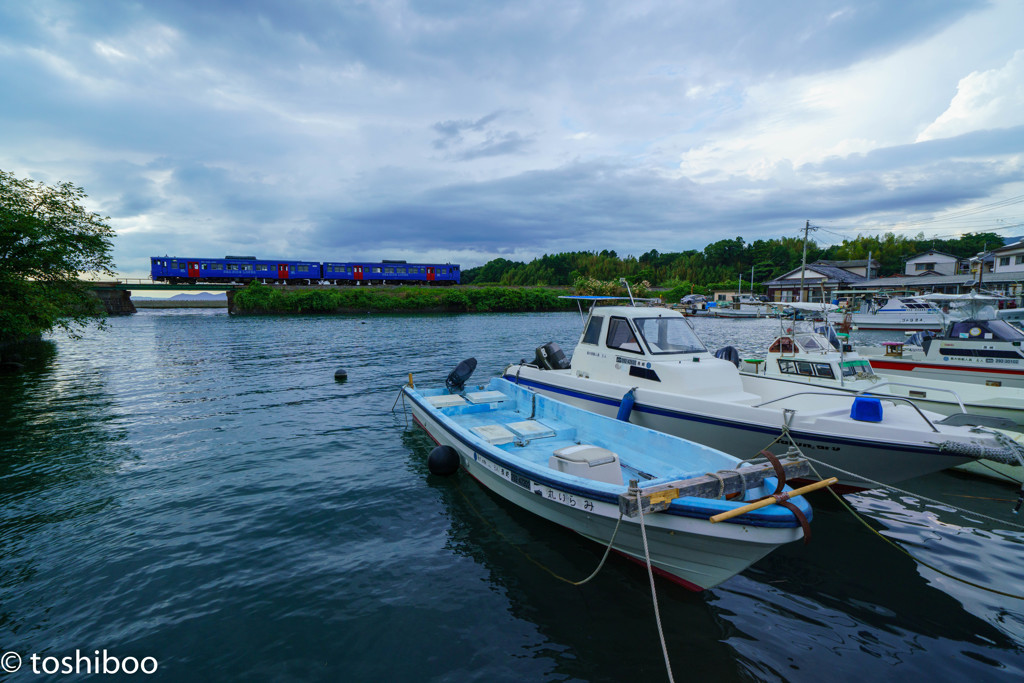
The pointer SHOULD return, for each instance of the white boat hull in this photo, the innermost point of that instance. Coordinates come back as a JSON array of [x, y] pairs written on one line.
[[879, 454]]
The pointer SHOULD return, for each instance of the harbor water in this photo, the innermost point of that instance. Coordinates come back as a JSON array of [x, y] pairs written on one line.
[[198, 489]]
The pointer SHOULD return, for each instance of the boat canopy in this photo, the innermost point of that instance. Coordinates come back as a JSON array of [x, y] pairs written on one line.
[[986, 330]]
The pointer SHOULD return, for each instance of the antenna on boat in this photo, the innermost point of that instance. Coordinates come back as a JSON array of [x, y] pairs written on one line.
[[622, 280]]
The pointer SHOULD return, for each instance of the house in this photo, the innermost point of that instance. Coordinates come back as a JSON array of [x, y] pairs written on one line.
[[1009, 259], [932, 263], [821, 280]]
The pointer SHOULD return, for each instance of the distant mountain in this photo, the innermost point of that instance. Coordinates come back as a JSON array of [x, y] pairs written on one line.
[[206, 296]]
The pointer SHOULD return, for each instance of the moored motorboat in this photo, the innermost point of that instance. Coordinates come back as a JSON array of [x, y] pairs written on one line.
[[806, 357], [574, 467], [981, 349], [897, 313], [678, 387]]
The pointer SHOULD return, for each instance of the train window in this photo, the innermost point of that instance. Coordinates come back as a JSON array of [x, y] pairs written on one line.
[[247, 268], [202, 266], [389, 271], [376, 270], [400, 271], [174, 264], [302, 269], [232, 266]]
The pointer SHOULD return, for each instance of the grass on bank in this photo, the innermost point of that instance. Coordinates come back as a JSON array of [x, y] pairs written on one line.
[[259, 298]]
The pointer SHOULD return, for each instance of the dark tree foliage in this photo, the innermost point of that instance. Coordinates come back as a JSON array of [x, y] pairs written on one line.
[[47, 240], [724, 261]]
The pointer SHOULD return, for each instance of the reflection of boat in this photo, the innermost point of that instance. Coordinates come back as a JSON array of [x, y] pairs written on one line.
[[682, 389], [981, 349], [898, 313], [528, 449]]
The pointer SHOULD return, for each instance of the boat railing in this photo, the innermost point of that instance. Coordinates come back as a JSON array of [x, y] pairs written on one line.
[[887, 397], [887, 383]]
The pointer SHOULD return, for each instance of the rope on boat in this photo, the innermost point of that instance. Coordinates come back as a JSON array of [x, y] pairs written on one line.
[[527, 555], [654, 596], [1009, 454], [894, 544]]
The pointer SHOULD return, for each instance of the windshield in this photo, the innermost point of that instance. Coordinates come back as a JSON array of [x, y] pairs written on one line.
[[985, 330], [668, 335], [852, 368]]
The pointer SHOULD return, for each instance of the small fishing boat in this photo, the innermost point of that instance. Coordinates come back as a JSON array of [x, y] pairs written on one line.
[[613, 482], [898, 313], [982, 348], [654, 360], [823, 358]]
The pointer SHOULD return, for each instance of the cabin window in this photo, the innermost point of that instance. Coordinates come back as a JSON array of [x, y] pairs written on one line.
[[781, 345], [593, 332], [823, 370], [620, 336], [669, 335]]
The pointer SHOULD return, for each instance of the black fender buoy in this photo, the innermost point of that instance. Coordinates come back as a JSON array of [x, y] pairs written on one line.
[[340, 374], [443, 461]]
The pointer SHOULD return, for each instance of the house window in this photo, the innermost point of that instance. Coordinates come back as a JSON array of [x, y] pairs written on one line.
[[1004, 260], [924, 266], [1018, 259]]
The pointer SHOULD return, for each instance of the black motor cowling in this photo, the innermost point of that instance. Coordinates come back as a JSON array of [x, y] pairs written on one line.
[[730, 354], [550, 357], [462, 372]]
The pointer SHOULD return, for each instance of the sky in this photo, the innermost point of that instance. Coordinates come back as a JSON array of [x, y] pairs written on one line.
[[460, 132]]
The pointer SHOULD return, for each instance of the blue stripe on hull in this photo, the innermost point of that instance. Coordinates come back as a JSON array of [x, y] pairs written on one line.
[[691, 417]]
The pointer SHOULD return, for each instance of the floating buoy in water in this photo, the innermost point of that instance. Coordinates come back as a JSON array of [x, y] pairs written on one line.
[[443, 461], [340, 374]]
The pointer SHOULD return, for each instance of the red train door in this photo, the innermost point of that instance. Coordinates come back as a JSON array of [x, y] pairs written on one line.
[[357, 272], [282, 271], [430, 274], [193, 269]]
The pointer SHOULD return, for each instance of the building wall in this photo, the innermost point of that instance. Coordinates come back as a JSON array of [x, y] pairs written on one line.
[[1010, 261], [939, 263]]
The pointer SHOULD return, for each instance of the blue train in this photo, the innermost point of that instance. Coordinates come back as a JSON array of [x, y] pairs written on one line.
[[176, 270]]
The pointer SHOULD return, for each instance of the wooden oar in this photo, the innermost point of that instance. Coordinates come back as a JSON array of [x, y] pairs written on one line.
[[771, 500]]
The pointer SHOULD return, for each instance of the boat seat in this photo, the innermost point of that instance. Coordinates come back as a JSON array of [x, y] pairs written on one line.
[[589, 462], [530, 429], [494, 434], [446, 400], [486, 396]]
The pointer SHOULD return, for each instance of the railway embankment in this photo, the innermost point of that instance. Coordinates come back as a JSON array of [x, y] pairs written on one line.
[[258, 299]]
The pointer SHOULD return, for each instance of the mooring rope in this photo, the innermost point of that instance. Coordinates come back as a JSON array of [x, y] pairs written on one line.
[[893, 543], [527, 555], [654, 595]]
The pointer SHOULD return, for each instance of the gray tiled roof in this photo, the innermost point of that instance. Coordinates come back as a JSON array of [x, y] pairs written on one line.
[[831, 273]]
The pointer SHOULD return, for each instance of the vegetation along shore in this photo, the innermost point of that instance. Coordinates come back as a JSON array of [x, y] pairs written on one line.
[[258, 299]]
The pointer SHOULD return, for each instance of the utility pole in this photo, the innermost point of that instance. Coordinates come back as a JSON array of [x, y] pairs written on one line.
[[803, 264]]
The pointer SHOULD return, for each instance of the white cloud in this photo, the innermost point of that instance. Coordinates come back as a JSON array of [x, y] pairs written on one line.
[[984, 99]]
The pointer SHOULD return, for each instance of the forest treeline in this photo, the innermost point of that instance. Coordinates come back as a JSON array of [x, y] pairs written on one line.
[[721, 262]]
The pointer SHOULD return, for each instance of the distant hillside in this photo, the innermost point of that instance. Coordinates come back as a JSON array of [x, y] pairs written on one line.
[[200, 296]]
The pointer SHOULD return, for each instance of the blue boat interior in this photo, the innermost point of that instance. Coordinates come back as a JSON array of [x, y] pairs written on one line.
[[551, 441]]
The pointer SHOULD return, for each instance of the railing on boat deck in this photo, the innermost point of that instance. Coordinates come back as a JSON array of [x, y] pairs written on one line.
[[825, 393], [887, 383]]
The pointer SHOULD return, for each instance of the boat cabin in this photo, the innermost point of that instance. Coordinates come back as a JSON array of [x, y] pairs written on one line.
[[810, 357], [650, 347]]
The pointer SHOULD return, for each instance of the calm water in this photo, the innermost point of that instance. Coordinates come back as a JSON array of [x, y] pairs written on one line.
[[198, 489]]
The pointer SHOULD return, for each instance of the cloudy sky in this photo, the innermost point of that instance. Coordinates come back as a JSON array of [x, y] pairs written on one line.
[[462, 131]]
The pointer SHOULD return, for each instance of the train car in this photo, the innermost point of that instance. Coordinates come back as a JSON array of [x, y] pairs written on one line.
[[176, 270], [391, 272]]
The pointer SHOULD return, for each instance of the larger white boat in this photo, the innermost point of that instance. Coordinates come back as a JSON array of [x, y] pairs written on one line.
[[574, 468], [898, 313], [653, 357], [983, 349]]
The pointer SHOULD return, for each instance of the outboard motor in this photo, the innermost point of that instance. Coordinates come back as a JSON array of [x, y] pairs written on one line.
[[730, 354], [457, 377], [550, 357]]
